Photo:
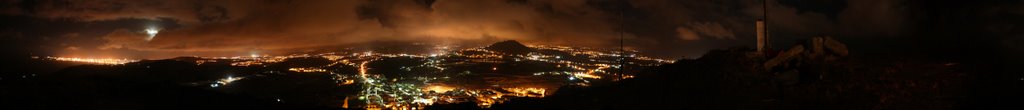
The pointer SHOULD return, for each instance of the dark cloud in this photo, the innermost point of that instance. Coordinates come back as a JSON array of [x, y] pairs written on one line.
[[211, 13], [884, 18], [669, 27]]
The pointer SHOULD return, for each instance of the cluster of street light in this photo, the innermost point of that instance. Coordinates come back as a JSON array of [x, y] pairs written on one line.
[[580, 67], [103, 61]]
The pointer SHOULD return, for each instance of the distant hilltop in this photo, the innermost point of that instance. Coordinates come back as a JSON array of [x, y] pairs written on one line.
[[510, 47]]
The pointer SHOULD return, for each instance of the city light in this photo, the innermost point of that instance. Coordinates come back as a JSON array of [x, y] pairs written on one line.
[[226, 81], [581, 67], [348, 81], [527, 92], [439, 89], [511, 54], [105, 61], [307, 70], [585, 75]]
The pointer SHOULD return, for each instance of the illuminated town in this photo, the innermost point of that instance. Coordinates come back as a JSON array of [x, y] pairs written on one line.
[[435, 80], [511, 54], [103, 61], [444, 77]]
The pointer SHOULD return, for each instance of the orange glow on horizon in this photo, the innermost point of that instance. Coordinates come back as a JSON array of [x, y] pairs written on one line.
[[105, 61]]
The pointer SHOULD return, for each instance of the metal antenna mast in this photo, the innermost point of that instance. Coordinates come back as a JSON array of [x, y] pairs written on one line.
[[763, 39], [767, 38], [622, 41]]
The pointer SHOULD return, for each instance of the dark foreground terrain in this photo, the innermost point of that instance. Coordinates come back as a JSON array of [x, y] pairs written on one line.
[[727, 79]]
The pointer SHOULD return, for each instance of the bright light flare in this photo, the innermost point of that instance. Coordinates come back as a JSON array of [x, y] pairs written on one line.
[[439, 89], [228, 80], [152, 33]]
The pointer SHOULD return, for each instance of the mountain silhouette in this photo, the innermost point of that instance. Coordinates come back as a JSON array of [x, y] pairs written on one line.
[[510, 47]]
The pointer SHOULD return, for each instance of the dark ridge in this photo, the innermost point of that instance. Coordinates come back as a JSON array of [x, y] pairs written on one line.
[[728, 79]]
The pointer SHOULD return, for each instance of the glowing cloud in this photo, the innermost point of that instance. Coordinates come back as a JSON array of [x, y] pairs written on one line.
[[152, 33]]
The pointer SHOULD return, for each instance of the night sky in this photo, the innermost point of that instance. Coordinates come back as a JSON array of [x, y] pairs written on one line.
[[663, 28]]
